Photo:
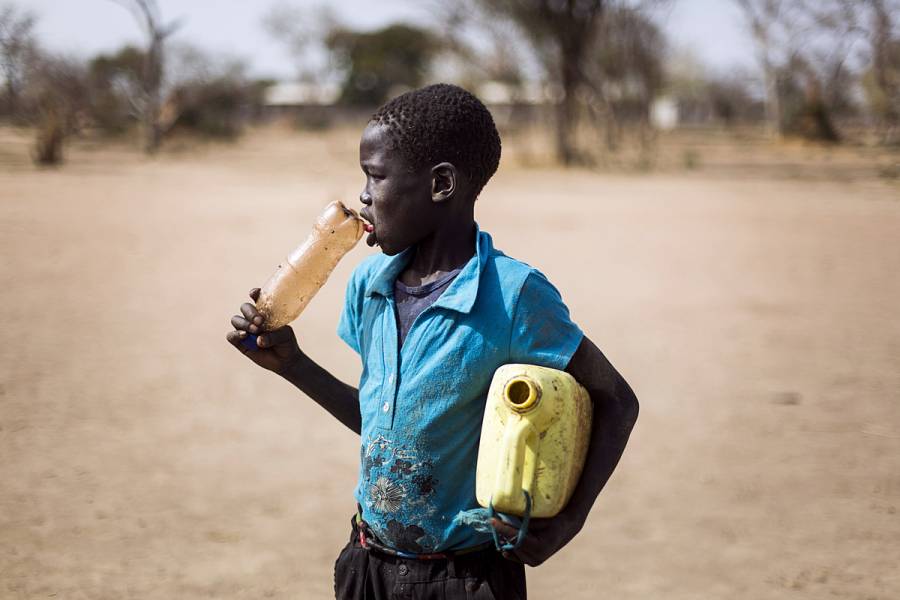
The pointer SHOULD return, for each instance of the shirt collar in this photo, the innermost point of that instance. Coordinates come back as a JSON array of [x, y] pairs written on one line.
[[461, 293]]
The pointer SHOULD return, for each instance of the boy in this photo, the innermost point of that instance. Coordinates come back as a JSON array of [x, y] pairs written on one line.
[[432, 318]]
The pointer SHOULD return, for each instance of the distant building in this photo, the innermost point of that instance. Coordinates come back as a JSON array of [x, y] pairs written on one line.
[[296, 93], [309, 105], [514, 105], [499, 93], [664, 113], [312, 104]]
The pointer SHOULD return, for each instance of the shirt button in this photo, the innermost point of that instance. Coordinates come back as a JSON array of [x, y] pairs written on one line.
[[386, 407], [403, 569], [391, 379]]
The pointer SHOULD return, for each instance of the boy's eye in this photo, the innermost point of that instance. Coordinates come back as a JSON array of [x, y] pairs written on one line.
[[373, 174]]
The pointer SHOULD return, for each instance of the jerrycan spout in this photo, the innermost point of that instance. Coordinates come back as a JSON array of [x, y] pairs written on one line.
[[522, 394]]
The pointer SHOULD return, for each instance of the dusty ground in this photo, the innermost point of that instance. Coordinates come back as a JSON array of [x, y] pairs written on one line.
[[752, 304]]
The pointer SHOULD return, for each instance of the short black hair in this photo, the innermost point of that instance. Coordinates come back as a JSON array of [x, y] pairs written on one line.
[[443, 122]]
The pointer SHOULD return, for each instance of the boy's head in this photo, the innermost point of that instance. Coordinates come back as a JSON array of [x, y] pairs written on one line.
[[426, 154]]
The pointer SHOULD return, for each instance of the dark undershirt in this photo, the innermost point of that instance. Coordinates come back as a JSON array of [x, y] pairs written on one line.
[[411, 301]]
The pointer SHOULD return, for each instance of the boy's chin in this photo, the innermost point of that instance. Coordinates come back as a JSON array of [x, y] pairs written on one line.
[[389, 248], [390, 251]]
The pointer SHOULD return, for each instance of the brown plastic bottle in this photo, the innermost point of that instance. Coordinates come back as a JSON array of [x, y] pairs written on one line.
[[305, 270]]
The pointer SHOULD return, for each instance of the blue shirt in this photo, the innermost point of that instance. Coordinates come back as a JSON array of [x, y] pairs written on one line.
[[422, 405]]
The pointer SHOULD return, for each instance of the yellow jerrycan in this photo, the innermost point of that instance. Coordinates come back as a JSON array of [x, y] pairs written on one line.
[[534, 438]]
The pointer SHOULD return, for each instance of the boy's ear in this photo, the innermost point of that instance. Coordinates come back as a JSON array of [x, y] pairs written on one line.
[[443, 182]]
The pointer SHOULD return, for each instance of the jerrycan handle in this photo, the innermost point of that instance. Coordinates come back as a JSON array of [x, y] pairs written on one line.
[[521, 395], [513, 475]]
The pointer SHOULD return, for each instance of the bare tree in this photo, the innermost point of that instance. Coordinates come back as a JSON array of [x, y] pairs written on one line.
[[16, 49], [210, 95], [814, 46], [563, 30], [869, 27], [563, 34], [303, 31], [625, 70], [57, 95], [828, 44], [487, 49], [885, 59], [771, 23], [149, 105], [830, 48]]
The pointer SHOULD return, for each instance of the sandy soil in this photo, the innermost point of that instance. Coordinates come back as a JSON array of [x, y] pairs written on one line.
[[753, 310]]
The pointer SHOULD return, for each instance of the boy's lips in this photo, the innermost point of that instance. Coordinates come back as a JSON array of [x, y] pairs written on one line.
[[369, 224], [369, 221]]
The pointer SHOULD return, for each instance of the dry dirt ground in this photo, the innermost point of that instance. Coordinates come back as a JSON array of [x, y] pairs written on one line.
[[752, 306]]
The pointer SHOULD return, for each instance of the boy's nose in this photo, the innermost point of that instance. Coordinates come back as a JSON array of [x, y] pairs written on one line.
[[365, 198]]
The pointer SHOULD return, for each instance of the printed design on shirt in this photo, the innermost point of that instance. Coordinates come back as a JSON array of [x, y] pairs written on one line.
[[404, 536], [398, 486], [425, 483], [386, 495]]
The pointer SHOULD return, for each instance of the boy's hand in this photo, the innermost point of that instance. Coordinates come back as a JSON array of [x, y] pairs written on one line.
[[545, 538], [276, 350]]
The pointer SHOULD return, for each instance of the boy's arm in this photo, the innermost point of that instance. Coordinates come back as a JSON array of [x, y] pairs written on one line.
[[614, 415], [329, 392], [278, 352]]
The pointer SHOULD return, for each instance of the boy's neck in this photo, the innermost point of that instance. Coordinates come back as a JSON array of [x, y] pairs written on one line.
[[445, 250]]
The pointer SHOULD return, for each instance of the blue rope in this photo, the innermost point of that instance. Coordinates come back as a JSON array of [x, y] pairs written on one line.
[[523, 528]]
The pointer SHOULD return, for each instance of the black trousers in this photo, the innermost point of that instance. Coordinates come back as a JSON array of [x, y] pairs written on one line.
[[361, 574]]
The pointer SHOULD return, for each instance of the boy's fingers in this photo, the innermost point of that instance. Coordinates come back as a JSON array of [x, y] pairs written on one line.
[[239, 322], [254, 294], [235, 338], [524, 553], [504, 529], [249, 311], [273, 338]]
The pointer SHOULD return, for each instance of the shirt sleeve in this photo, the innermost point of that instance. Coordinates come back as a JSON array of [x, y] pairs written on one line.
[[348, 325], [543, 334]]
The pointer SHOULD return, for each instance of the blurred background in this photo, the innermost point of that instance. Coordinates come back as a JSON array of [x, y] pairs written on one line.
[[714, 187]]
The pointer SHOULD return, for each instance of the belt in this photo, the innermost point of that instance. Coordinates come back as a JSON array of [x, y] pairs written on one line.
[[370, 542]]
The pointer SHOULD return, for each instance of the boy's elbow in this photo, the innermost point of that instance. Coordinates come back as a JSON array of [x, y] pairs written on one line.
[[628, 404], [632, 410], [620, 410]]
